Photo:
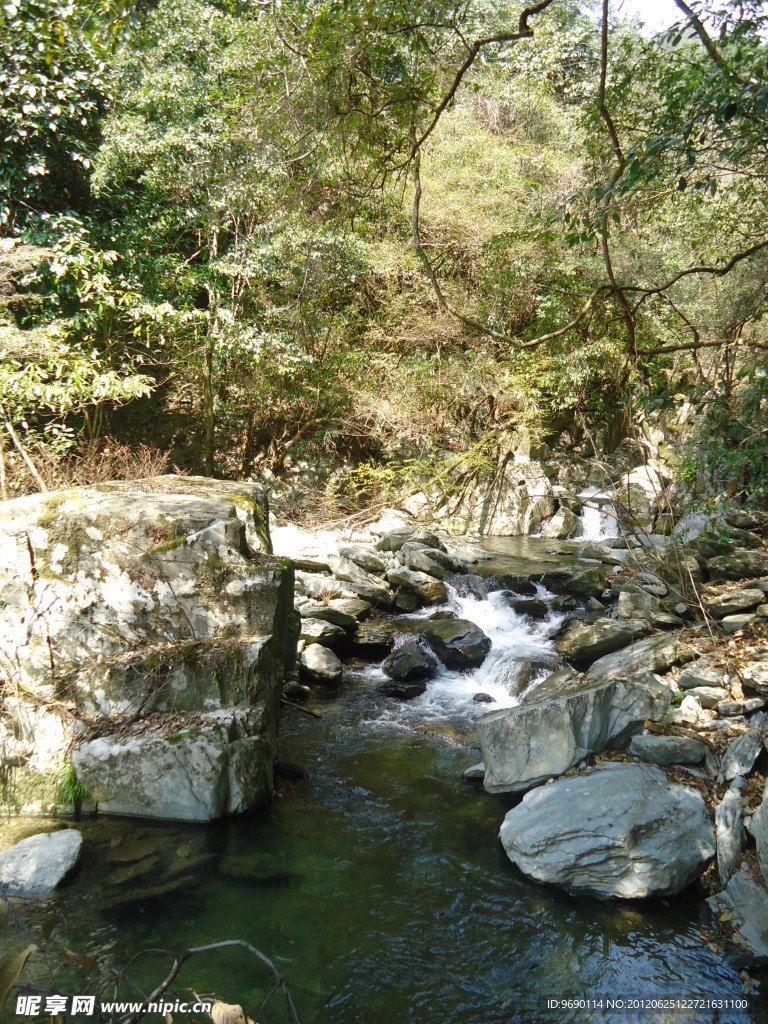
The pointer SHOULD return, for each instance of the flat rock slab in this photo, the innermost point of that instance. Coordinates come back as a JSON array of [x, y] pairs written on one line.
[[622, 831], [668, 749], [742, 753], [584, 643], [655, 654], [734, 602], [39, 864], [525, 745], [458, 643]]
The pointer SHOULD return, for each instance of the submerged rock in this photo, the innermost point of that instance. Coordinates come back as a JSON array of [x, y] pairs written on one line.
[[622, 831], [38, 865], [458, 643], [525, 745]]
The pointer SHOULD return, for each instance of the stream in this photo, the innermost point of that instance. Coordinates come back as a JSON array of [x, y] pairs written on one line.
[[376, 880]]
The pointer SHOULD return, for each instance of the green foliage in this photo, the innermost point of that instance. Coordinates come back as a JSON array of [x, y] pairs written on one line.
[[71, 790]]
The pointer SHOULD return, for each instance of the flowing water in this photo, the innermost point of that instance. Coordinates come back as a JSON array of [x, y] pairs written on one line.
[[376, 880]]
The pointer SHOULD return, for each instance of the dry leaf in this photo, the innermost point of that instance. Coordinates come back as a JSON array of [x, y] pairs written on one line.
[[90, 963], [11, 968], [227, 1013], [168, 1019], [49, 924]]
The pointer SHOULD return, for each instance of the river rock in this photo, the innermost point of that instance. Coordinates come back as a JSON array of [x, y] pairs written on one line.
[[759, 830], [584, 643], [458, 643], [735, 623], [708, 696], [373, 640], [701, 673], [580, 582], [38, 865], [665, 750], [531, 606], [395, 539], [638, 605], [525, 745], [754, 675], [320, 665], [729, 830], [509, 499], [743, 563], [363, 583], [205, 768], [638, 495], [412, 660], [426, 588], [401, 689], [562, 525], [654, 654], [735, 708], [622, 831], [155, 606], [329, 613], [734, 601], [746, 902], [369, 560], [319, 631], [740, 757]]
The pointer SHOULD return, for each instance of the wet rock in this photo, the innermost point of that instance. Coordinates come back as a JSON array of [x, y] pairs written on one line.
[[402, 690], [483, 698], [363, 583], [531, 606], [622, 831], [654, 654], [39, 864], [373, 640], [320, 665], [406, 600], [474, 772], [316, 585], [458, 643], [395, 539], [412, 660], [426, 588], [743, 563], [584, 583], [665, 750], [295, 691], [746, 902], [729, 830], [433, 561], [370, 561], [525, 745], [733, 602], [740, 757], [584, 643], [319, 631], [708, 696]]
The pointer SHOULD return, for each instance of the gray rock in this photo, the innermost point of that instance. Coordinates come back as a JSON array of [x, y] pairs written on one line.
[[734, 623], [350, 606], [329, 613], [401, 689], [320, 665], [483, 698], [562, 525], [373, 640], [743, 563], [637, 605], [734, 601], [742, 752], [708, 696], [315, 585], [754, 675], [412, 660], [426, 588], [747, 903], [528, 744], [458, 643], [654, 654], [700, 673], [729, 831], [38, 865], [759, 830], [433, 561], [532, 606], [367, 559], [734, 708], [668, 749], [406, 600], [584, 643], [200, 771], [368, 586], [319, 631], [475, 771], [395, 539], [584, 583], [622, 831]]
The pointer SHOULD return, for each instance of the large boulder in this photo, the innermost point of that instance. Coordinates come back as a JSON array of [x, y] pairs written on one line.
[[741, 564], [622, 831], [733, 601], [213, 764], [667, 750], [426, 588], [585, 642], [411, 660], [745, 902], [38, 865], [458, 643], [358, 580], [640, 495], [524, 746], [131, 604], [320, 665]]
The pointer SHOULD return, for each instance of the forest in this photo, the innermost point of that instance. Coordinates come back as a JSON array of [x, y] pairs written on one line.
[[383, 236]]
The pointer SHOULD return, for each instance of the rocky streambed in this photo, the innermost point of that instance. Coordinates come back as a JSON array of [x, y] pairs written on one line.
[[621, 745]]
